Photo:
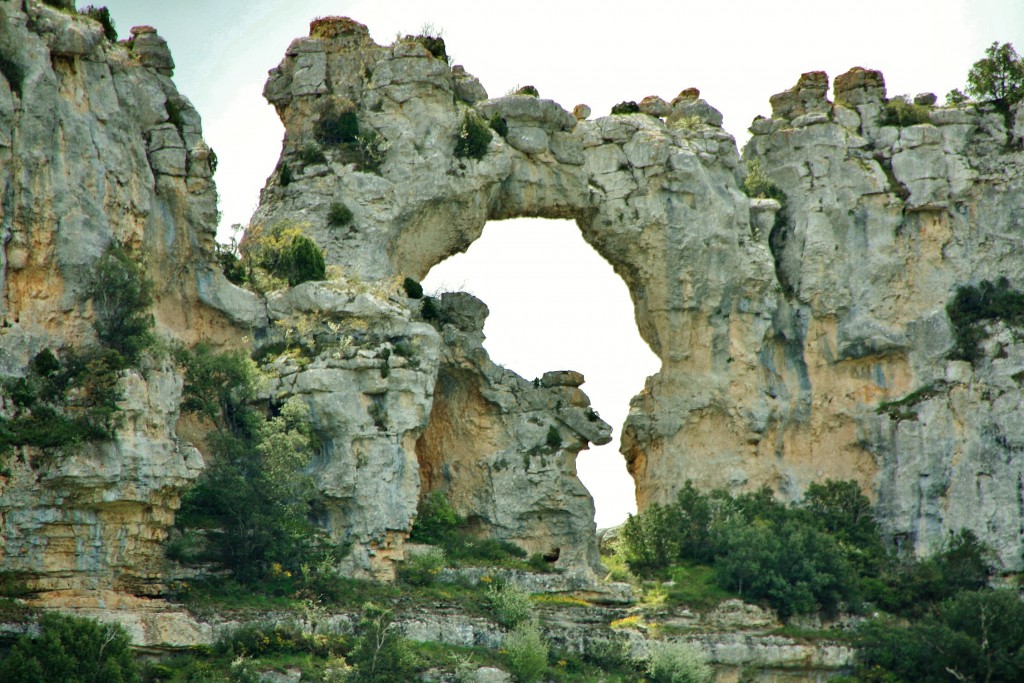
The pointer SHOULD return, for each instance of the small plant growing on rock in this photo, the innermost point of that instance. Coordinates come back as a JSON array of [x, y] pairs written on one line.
[[628, 107], [339, 215], [282, 255], [498, 124], [122, 295], [899, 112], [311, 154], [758, 185], [413, 289], [102, 15], [554, 438], [336, 127], [509, 605], [474, 137], [528, 90]]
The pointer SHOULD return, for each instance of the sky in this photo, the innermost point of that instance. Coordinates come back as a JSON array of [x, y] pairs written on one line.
[[554, 303]]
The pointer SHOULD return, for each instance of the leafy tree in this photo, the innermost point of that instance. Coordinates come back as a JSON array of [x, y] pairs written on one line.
[[974, 636], [72, 650], [998, 77], [122, 294], [254, 500], [281, 256], [840, 509]]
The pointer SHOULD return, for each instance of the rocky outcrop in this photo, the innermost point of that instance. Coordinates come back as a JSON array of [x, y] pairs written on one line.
[[659, 199], [503, 450]]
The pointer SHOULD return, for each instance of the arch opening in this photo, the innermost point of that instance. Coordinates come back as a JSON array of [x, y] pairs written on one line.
[[556, 304]]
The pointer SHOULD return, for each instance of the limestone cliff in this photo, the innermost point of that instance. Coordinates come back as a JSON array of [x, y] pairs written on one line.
[[97, 147], [781, 327]]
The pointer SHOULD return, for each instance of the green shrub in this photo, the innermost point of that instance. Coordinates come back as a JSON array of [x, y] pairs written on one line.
[[629, 107], [436, 520], [336, 127], [955, 97], [757, 184], [72, 650], [973, 307], [474, 137], [998, 77], [339, 215], [230, 263], [282, 255], [899, 112], [311, 154], [122, 294], [102, 15], [526, 653], [263, 639], [372, 151], [413, 289], [498, 124], [553, 438], [509, 605], [673, 662], [431, 312], [528, 90], [381, 654], [974, 636], [434, 44], [422, 569]]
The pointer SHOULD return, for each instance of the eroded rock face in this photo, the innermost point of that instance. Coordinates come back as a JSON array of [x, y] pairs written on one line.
[[97, 147], [503, 450], [884, 224]]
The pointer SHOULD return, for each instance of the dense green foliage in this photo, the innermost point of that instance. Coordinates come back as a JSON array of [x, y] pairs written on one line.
[[758, 185], [628, 107], [973, 307], [998, 77], [230, 263], [899, 112], [498, 124], [437, 523], [102, 15], [253, 502], [974, 636], [823, 554], [122, 294], [281, 256], [413, 289], [528, 90], [71, 650], [474, 137], [339, 215], [311, 154]]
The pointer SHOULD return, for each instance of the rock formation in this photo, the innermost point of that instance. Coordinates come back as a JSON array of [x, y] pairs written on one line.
[[783, 327]]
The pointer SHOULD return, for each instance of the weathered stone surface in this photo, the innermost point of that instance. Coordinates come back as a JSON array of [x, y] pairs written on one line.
[[152, 51], [874, 246], [94, 518], [503, 450], [808, 96]]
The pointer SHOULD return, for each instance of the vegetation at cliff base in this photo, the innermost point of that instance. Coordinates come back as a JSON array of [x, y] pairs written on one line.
[[250, 511], [72, 650]]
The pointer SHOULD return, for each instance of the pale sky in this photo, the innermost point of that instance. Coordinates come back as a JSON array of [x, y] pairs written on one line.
[[554, 303]]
